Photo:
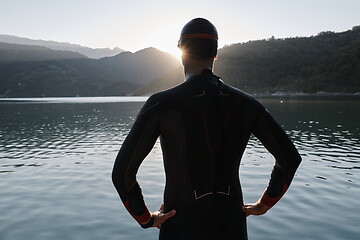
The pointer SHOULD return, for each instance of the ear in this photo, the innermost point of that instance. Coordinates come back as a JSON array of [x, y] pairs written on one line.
[[183, 59]]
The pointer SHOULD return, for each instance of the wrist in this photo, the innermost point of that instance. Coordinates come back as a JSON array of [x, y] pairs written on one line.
[[263, 205], [149, 223]]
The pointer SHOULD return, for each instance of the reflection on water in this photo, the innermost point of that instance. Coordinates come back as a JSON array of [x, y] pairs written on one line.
[[56, 160], [318, 204], [50, 131]]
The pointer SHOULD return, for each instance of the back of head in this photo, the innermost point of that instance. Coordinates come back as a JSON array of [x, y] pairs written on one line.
[[199, 39]]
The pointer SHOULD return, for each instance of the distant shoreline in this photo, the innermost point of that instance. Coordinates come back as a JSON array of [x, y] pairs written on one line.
[[289, 94], [99, 99], [279, 93], [88, 99]]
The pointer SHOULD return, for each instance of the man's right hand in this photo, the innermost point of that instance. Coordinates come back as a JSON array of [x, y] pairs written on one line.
[[257, 208]]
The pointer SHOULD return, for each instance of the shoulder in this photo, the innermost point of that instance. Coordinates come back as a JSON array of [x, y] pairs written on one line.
[[240, 96], [168, 94], [162, 98]]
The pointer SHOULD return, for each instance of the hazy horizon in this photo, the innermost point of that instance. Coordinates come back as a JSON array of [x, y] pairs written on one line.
[[126, 50], [139, 24]]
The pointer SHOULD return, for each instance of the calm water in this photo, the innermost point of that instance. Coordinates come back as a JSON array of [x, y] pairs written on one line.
[[56, 158]]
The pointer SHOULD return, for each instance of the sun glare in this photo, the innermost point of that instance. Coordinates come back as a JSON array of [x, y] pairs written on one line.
[[169, 48], [174, 51], [166, 40]]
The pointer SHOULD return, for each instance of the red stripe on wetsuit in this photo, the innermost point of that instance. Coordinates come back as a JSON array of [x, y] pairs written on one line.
[[271, 201], [143, 218]]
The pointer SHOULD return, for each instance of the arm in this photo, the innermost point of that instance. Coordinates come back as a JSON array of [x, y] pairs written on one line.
[[135, 148], [287, 160]]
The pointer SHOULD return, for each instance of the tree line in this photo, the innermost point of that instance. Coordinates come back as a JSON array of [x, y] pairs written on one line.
[[327, 62]]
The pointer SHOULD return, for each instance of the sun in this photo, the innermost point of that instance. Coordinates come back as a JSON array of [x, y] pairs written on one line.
[[169, 48], [173, 51], [166, 40]]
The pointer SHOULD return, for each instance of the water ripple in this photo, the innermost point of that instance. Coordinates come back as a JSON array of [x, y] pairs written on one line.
[[56, 160]]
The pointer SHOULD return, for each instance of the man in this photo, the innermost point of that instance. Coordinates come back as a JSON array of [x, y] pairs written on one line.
[[204, 126]]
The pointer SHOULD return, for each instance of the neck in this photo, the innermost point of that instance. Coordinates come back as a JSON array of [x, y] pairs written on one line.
[[192, 72], [193, 66]]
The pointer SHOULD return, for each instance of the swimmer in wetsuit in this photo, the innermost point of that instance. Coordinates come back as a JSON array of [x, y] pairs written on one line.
[[204, 126]]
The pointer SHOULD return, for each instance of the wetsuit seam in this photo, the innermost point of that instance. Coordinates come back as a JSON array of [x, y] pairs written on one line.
[[147, 109], [189, 182], [227, 115], [204, 124]]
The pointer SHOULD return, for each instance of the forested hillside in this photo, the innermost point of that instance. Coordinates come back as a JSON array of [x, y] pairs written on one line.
[[340, 71], [327, 62]]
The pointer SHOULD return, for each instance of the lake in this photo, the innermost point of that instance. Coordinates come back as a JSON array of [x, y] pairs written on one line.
[[56, 158]]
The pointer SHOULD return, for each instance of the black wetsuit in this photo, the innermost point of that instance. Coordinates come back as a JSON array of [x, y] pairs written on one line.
[[204, 126]]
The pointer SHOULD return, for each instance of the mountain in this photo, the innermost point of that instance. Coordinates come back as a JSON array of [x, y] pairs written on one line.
[[141, 67], [327, 62], [29, 71], [95, 53], [169, 80], [24, 53]]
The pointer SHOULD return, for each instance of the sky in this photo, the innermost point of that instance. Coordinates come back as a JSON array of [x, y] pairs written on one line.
[[137, 24]]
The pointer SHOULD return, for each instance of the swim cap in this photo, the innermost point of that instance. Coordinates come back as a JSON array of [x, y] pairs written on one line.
[[199, 39]]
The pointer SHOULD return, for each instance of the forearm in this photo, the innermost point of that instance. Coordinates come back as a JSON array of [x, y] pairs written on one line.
[[129, 190], [287, 158], [269, 200], [134, 149]]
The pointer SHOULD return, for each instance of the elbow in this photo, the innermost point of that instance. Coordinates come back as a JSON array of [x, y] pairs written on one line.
[[115, 177], [117, 181], [298, 159]]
